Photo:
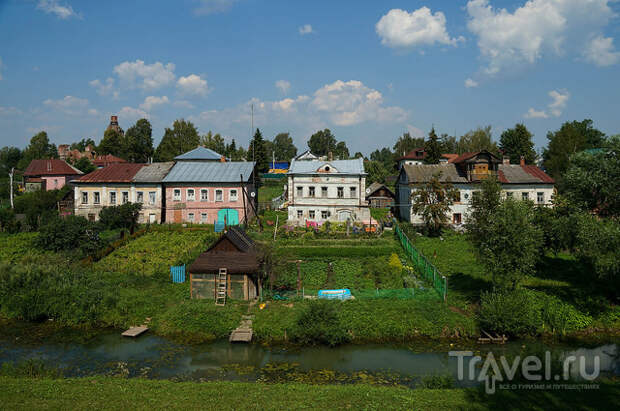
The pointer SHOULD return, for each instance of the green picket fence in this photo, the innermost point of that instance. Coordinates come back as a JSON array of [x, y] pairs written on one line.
[[428, 271]]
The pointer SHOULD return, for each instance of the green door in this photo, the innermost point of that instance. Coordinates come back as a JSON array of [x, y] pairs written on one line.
[[230, 216]]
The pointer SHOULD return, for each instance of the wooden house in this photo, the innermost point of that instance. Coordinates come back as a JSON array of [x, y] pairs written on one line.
[[379, 196], [235, 255]]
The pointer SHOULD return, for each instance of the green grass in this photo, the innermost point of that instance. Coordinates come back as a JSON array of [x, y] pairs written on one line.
[[379, 213], [271, 190], [121, 394]]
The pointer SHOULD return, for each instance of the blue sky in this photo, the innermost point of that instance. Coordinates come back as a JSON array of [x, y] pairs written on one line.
[[368, 70]]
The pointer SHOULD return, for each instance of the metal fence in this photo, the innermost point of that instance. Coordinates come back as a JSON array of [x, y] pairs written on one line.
[[428, 271]]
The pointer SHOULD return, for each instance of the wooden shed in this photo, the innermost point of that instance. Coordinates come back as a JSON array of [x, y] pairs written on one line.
[[234, 254], [379, 196]]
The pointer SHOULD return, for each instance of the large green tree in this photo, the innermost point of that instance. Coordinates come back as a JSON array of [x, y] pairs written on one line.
[[283, 147], [432, 147], [39, 148], [139, 142], [181, 138], [342, 151], [377, 173], [9, 158], [477, 140], [215, 142], [571, 138], [82, 144], [322, 142], [484, 202], [432, 201], [257, 152], [84, 165], [516, 142], [406, 143], [112, 143], [385, 157]]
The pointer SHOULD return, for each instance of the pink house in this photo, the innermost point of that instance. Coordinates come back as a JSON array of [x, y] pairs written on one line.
[[49, 174], [206, 192]]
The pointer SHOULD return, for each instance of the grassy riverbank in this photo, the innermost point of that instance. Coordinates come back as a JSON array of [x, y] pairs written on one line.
[[118, 393]]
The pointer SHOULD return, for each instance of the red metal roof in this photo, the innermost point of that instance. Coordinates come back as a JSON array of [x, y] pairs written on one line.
[[464, 157], [538, 173], [50, 167], [108, 159], [114, 173], [412, 155]]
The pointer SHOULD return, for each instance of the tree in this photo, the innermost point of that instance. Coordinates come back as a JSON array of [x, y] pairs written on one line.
[[84, 165], [571, 138], [477, 140], [432, 147], [112, 143], [322, 142], [484, 203], [70, 233], [139, 142], [257, 152], [358, 155], [511, 248], [215, 142], [283, 147], [39, 148], [377, 173], [121, 216], [406, 143], [432, 201], [179, 139], [385, 157], [516, 143], [82, 144], [448, 144], [342, 151], [591, 181], [598, 242], [9, 158]]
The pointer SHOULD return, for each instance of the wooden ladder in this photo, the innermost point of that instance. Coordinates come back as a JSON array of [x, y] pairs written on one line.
[[221, 286]]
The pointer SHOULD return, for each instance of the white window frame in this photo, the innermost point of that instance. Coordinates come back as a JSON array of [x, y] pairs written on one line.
[[221, 195], [232, 197], [540, 197], [340, 192], [324, 214], [204, 218], [300, 191], [190, 217], [139, 196], [113, 197], [176, 194], [84, 196], [525, 196], [190, 194], [311, 214], [152, 197], [124, 197], [96, 197], [300, 213], [353, 192], [312, 192], [325, 190], [204, 197]]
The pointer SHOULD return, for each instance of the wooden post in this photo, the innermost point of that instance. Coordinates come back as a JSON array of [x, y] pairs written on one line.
[[276, 229]]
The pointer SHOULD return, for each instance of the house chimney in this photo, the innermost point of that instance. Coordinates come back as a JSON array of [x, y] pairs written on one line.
[[330, 156], [506, 160], [222, 159], [522, 161]]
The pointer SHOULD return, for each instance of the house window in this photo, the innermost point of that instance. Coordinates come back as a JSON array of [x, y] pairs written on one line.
[[300, 191], [152, 197], [323, 191], [190, 217], [219, 195], [310, 191], [456, 218], [113, 197], [353, 192], [204, 195], [324, 215], [300, 214], [97, 197], [191, 194], [177, 194], [525, 196], [203, 218], [457, 198], [84, 198], [340, 192], [508, 194], [233, 195], [140, 197], [540, 197], [125, 197], [311, 214]]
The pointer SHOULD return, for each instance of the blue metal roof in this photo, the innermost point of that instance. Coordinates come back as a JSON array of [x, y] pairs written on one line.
[[209, 172], [200, 153], [355, 166]]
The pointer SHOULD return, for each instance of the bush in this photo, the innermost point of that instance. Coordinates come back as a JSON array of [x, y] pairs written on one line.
[[8, 222], [122, 216], [69, 233], [509, 312], [320, 323]]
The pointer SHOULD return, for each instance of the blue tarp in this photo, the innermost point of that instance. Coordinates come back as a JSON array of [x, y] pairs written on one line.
[[279, 165], [343, 294]]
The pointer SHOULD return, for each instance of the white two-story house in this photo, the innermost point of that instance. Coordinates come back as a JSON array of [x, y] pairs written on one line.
[[465, 172], [327, 190]]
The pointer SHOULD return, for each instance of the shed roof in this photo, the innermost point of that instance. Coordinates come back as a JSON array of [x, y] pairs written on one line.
[[200, 153], [209, 172], [153, 173], [355, 166], [375, 187], [242, 261], [114, 173], [50, 167]]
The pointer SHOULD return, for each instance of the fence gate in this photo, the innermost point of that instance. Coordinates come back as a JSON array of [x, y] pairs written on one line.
[[178, 273]]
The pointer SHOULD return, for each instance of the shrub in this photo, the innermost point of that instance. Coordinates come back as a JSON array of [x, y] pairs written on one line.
[[8, 222], [122, 216], [509, 312], [320, 323], [69, 233]]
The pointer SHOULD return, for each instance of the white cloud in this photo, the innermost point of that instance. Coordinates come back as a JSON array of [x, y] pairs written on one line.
[[93, 112], [54, 7], [283, 85], [153, 101], [145, 76], [601, 51], [105, 88], [9, 111], [69, 105], [470, 83], [306, 29], [132, 114], [559, 99], [213, 6], [537, 28], [414, 131], [192, 85], [183, 103], [421, 27]]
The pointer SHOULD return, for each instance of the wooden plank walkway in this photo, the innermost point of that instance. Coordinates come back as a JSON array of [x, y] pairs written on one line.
[[135, 331], [243, 333]]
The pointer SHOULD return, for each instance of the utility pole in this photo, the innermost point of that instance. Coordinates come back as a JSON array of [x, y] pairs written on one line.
[[11, 186]]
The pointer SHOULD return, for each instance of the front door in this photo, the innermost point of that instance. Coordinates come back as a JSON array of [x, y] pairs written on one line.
[[344, 215], [228, 215], [152, 218], [178, 216]]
